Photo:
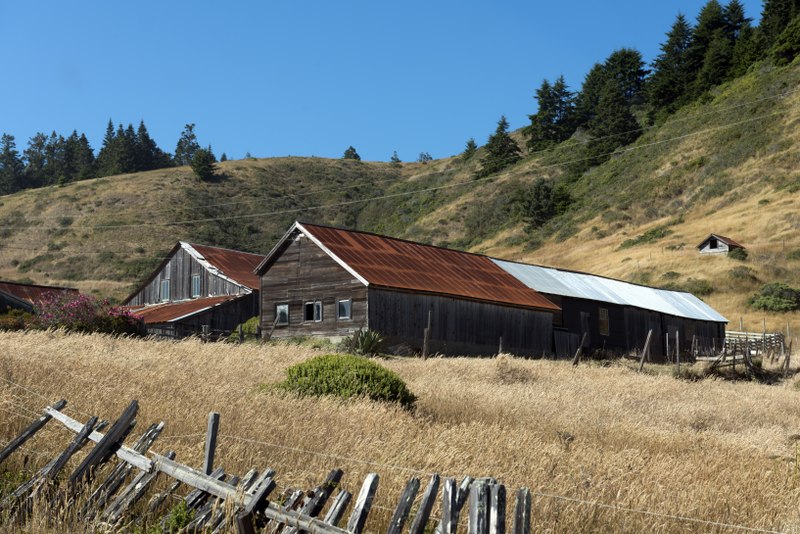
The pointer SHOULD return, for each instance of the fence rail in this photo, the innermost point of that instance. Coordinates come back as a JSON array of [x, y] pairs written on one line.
[[222, 502]]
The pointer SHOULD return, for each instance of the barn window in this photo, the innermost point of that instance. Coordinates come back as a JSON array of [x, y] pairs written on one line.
[[345, 309], [602, 316], [313, 311], [165, 290], [713, 244], [195, 285], [282, 314]]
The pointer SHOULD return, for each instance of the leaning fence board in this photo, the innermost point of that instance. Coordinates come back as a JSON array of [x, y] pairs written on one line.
[[125, 453], [478, 509], [28, 433], [461, 495], [338, 507], [313, 506], [497, 509], [131, 494], [403, 507], [425, 507], [449, 513], [107, 445], [522, 512], [77, 443], [363, 504], [244, 520]]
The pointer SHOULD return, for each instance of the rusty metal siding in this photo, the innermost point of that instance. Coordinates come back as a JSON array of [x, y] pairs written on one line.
[[305, 273], [459, 326], [179, 270]]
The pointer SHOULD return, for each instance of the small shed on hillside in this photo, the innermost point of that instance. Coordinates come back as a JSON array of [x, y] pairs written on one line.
[[617, 315], [718, 244], [24, 297], [198, 286], [330, 282]]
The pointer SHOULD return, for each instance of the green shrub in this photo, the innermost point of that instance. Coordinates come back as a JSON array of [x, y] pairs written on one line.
[[696, 286], [179, 518], [15, 319], [776, 297], [738, 254], [794, 255], [347, 376], [364, 342], [249, 328], [654, 234]]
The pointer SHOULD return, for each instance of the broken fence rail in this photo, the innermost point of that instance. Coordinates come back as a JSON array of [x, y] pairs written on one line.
[[112, 500]]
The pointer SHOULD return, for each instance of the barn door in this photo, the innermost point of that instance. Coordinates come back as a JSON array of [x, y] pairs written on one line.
[[585, 328]]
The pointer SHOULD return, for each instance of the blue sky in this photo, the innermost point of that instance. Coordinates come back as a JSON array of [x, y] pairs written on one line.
[[307, 77]]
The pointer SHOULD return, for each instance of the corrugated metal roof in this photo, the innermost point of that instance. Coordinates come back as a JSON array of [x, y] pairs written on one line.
[[172, 311], [31, 293], [591, 287], [236, 265], [394, 263]]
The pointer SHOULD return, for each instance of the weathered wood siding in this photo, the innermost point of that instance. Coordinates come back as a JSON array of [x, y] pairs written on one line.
[[638, 323], [305, 273], [573, 322], [458, 326], [221, 320], [179, 270]]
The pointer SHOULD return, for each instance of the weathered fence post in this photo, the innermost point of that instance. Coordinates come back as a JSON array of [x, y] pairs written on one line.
[[425, 507], [478, 509], [449, 511], [211, 442], [30, 431], [403, 507], [497, 509], [645, 350], [204, 329], [522, 512], [426, 337], [241, 333], [576, 360], [363, 503]]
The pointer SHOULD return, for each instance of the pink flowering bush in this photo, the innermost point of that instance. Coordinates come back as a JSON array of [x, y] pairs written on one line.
[[84, 313]]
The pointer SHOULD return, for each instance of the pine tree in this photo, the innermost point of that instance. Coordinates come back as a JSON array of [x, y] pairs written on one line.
[[749, 48], [223, 157], [787, 46], [107, 158], [351, 153], [148, 155], [626, 67], [501, 150], [776, 16], [614, 125], [10, 165], [187, 146], [554, 120], [588, 98], [35, 156], [668, 85], [717, 63], [55, 169], [469, 150], [395, 159], [710, 20], [204, 163], [735, 20]]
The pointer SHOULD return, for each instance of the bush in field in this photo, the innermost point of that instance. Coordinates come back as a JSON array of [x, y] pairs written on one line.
[[347, 376], [84, 313], [364, 342], [15, 319], [738, 254], [776, 297], [250, 329]]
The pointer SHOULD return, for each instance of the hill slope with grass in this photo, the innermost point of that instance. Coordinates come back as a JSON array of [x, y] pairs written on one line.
[[727, 164]]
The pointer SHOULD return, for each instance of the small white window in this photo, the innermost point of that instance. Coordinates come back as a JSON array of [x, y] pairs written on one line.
[[602, 315], [282, 314], [345, 309], [312, 311], [165, 290], [195, 285]]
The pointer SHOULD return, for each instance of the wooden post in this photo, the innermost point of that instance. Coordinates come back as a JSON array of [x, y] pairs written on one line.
[[449, 512], [478, 509], [500, 346], [338, 506], [204, 332], [403, 507], [426, 337], [522, 512], [28, 433], [667, 353], [211, 441], [241, 333], [678, 349], [425, 507], [741, 324], [497, 509], [576, 360], [645, 350], [358, 517]]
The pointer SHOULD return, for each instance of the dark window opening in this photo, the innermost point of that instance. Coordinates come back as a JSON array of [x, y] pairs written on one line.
[[312, 311]]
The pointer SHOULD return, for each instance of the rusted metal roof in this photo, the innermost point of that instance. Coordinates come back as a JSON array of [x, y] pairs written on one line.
[[727, 240], [398, 264], [170, 312], [31, 294], [236, 265]]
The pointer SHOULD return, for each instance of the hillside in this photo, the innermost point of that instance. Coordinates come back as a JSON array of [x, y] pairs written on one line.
[[728, 164]]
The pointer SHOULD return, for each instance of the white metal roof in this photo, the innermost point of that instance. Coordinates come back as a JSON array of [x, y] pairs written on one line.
[[592, 287]]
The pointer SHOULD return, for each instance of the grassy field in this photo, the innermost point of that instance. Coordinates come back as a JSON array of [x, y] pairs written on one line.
[[604, 449]]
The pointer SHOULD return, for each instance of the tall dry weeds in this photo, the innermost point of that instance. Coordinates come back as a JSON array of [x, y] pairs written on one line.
[[580, 438]]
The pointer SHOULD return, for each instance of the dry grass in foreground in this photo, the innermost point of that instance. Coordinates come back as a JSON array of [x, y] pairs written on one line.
[[711, 450]]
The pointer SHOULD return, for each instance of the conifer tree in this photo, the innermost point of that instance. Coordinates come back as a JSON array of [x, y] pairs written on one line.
[[187, 146], [79, 158], [395, 159], [626, 67], [204, 163], [35, 156], [223, 157], [710, 21], [554, 120], [614, 125], [775, 17], [501, 150], [55, 170], [469, 150], [10, 165], [787, 46], [749, 48], [668, 84], [716, 64], [588, 98], [350, 153], [148, 155], [735, 20]]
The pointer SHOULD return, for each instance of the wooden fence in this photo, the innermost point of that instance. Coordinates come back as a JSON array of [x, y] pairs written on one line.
[[222, 502]]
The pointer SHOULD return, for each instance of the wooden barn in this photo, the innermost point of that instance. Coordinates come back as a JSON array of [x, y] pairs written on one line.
[[717, 244], [617, 315], [24, 297], [198, 286], [324, 281]]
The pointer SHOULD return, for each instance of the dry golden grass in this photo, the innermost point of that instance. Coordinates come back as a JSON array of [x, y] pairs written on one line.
[[711, 450]]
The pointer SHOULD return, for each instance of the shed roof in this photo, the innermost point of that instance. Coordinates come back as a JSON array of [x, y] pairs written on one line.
[[170, 312], [31, 293], [392, 263], [554, 281], [236, 265], [727, 240]]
